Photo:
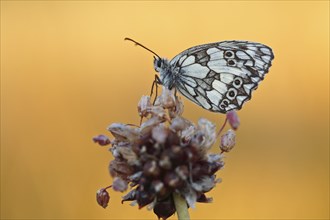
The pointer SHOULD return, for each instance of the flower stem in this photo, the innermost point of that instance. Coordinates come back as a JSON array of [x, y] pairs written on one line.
[[181, 207], [223, 126]]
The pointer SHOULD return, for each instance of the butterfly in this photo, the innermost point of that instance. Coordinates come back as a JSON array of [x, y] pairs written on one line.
[[220, 76]]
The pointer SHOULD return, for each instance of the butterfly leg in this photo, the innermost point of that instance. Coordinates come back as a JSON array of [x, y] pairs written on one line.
[[176, 97], [141, 118], [156, 82], [175, 92]]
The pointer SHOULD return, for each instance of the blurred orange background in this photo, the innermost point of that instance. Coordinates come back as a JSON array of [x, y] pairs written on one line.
[[67, 73]]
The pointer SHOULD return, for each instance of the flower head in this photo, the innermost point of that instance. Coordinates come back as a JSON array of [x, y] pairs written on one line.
[[166, 154]]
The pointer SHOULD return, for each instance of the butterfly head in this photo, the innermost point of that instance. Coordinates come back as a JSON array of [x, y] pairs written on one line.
[[160, 64], [166, 72]]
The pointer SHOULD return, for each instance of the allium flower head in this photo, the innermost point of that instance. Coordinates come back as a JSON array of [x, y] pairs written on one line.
[[166, 154]]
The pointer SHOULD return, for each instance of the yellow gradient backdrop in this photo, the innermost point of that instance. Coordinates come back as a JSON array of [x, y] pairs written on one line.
[[67, 73]]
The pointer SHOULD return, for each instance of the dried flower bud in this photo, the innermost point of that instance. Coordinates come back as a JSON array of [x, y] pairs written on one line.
[[197, 139], [123, 132], [160, 189], [144, 197], [165, 162], [179, 124], [177, 154], [173, 180], [165, 208], [182, 172], [151, 168], [227, 141], [233, 119], [148, 125], [207, 128], [211, 158], [202, 198], [158, 111], [166, 99], [214, 167], [129, 196], [159, 134], [143, 106], [190, 195], [120, 168], [102, 197], [204, 185], [214, 163], [135, 177], [178, 110], [198, 171], [119, 185], [128, 154], [102, 140], [188, 133]]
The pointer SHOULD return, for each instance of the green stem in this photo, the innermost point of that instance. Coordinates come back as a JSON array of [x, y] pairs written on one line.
[[181, 207]]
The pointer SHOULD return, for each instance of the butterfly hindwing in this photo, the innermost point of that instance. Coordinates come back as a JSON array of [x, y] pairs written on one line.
[[221, 76]]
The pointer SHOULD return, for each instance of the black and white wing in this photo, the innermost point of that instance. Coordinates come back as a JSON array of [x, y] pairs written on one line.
[[221, 76]]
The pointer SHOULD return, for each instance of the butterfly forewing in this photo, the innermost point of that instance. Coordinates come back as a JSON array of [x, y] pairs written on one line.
[[221, 76]]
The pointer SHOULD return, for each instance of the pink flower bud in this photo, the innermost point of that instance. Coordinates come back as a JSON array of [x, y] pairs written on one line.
[[227, 141], [102, 140], [119, 184], [102, 197], [233, 119]]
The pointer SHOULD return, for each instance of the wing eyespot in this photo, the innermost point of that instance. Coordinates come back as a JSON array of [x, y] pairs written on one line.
[[224, 103], [229, 54], [237, 82], [231, 94], [231, 62]]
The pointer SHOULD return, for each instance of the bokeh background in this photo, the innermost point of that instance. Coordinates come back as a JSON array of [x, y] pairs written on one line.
[[67, 73]]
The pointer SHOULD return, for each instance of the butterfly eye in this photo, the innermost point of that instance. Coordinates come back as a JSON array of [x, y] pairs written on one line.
[[159, 63]]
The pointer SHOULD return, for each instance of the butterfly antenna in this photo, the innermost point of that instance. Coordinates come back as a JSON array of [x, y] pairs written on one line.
[[138, 44]]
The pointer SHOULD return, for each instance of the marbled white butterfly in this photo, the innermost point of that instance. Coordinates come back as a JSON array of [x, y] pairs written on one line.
[[218, 76]]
